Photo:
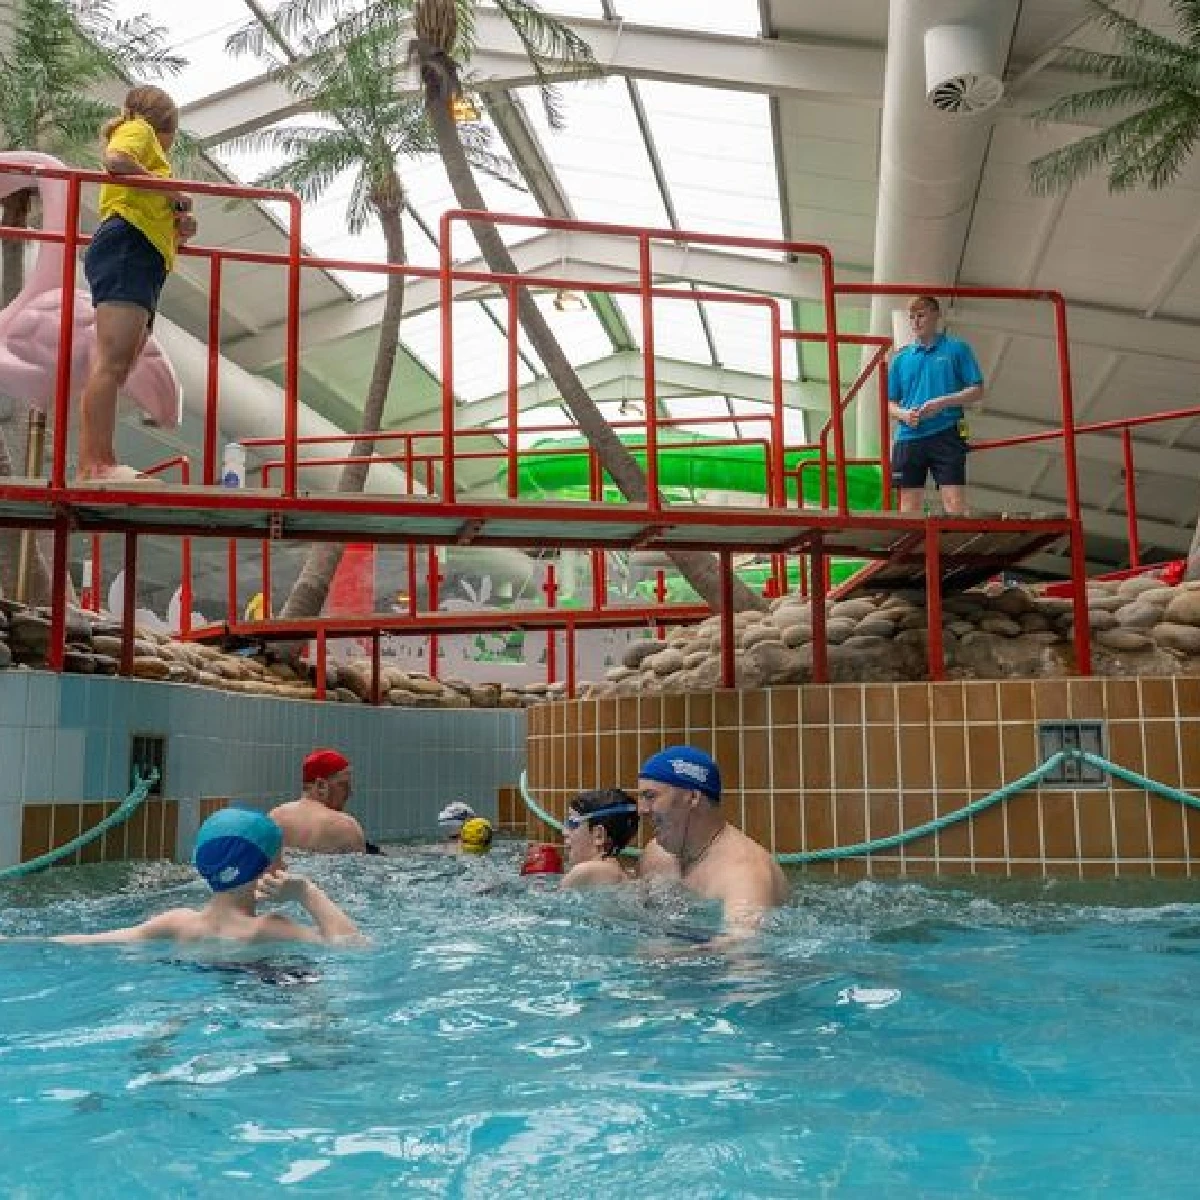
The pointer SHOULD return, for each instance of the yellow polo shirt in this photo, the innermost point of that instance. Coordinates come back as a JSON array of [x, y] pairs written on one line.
[[151, 212]]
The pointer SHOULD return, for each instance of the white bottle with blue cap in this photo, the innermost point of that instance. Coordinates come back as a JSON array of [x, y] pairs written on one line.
[[233, 466]]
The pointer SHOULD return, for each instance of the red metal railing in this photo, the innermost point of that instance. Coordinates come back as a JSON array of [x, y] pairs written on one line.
[[1125, 427], [416, 457]]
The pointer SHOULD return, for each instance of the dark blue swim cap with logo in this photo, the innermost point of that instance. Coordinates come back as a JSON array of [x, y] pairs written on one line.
[[235, 846], [684, 767]]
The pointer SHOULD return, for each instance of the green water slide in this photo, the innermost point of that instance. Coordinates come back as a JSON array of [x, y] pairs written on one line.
[[691, 467]]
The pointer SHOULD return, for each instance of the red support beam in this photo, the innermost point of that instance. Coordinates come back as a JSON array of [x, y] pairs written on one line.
[[933, 600]]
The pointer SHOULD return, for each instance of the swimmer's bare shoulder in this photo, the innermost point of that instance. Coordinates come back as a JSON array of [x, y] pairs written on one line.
[[656, 863], [601, 873]]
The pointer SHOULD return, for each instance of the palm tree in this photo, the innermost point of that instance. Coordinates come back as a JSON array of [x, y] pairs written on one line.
[[1158, 79], [1155, 76], [444, 36], [59, 53], [348, 78]]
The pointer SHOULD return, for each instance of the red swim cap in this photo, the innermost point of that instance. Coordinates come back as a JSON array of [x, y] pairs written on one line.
[[542, 858], [321, 764]]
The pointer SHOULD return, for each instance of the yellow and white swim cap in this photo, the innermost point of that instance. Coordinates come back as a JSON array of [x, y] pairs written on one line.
[[475, 837]]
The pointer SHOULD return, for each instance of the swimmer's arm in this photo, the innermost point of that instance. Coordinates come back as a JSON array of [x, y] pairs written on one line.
[[588, 874], [332, 924], [160, 928], [746, 902]]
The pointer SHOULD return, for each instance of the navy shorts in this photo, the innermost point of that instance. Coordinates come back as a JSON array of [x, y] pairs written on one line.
[[122, 266], [942, 455]]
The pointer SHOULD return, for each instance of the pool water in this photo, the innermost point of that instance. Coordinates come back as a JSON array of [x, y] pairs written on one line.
[[502, 1040]]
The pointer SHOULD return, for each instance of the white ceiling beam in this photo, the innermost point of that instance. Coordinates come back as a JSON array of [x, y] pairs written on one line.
[[583, 256], [847, 73], [1117, 329]]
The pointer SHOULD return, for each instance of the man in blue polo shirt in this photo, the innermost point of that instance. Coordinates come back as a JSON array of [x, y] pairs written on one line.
[[930, 382]]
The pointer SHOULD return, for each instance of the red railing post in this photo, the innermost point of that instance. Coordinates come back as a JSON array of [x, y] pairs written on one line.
[[646, 282], [212, 383], [514, 412], [231, 583], [433, 581], [1131, 514], [776, 487], [321, 663], [66, 335], [291, 366], [728, 630], [569, 656], [267, 601], [816, 610], [885, 437], [550, 587], [56, 652], [185, 562], [933, 599], [97, 574], [446, 299], [1083, 645], [129, 603], [835, 379]]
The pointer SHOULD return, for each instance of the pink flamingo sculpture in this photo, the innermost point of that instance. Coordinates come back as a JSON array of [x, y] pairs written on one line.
[[29, 325]]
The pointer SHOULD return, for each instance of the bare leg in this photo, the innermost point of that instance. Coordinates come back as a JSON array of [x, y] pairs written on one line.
[[120, 335], [954, 499], [912, 500]]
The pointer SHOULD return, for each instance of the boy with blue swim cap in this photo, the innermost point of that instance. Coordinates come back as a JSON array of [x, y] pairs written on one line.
[[679, 792], [238, 854]]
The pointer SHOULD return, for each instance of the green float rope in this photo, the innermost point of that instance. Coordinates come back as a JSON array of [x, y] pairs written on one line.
[[125, 810], [944, 822]]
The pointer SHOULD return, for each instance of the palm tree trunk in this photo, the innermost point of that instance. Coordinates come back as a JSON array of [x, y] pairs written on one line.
[[15, 211], [701, 570], [311, 589]]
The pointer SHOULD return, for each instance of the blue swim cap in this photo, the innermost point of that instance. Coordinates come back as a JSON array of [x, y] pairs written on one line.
[[235, 846], [684, 767]]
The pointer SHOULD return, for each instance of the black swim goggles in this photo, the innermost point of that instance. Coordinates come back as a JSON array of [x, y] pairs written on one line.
[[574, 821]]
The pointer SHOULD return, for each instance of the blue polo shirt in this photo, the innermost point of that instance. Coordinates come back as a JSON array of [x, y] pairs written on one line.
[[919, 373]]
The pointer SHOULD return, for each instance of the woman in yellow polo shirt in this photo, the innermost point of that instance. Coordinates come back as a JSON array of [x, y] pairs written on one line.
[[126, 265]]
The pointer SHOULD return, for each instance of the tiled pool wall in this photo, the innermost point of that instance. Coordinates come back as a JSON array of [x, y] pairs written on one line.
[[65, 745], [812, 767]]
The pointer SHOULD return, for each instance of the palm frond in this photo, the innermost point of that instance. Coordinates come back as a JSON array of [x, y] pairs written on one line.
[[1156, 76], [1133, 35], [288, 20], [1187, 14], [554, 50]]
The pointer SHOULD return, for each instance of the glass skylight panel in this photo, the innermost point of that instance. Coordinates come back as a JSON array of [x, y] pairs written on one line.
[[709, 16], [743, 336], [480, 356], [429, 192], [678, 332], [197, 32], [578, 331], [684, 407], [718, 156], [600, 158]]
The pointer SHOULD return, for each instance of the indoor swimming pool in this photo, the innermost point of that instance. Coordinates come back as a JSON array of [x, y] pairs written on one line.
[[502, 1039]]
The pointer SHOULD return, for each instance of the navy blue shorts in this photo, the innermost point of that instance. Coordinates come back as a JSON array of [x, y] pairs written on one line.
[[942, 455], [122, 266]]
